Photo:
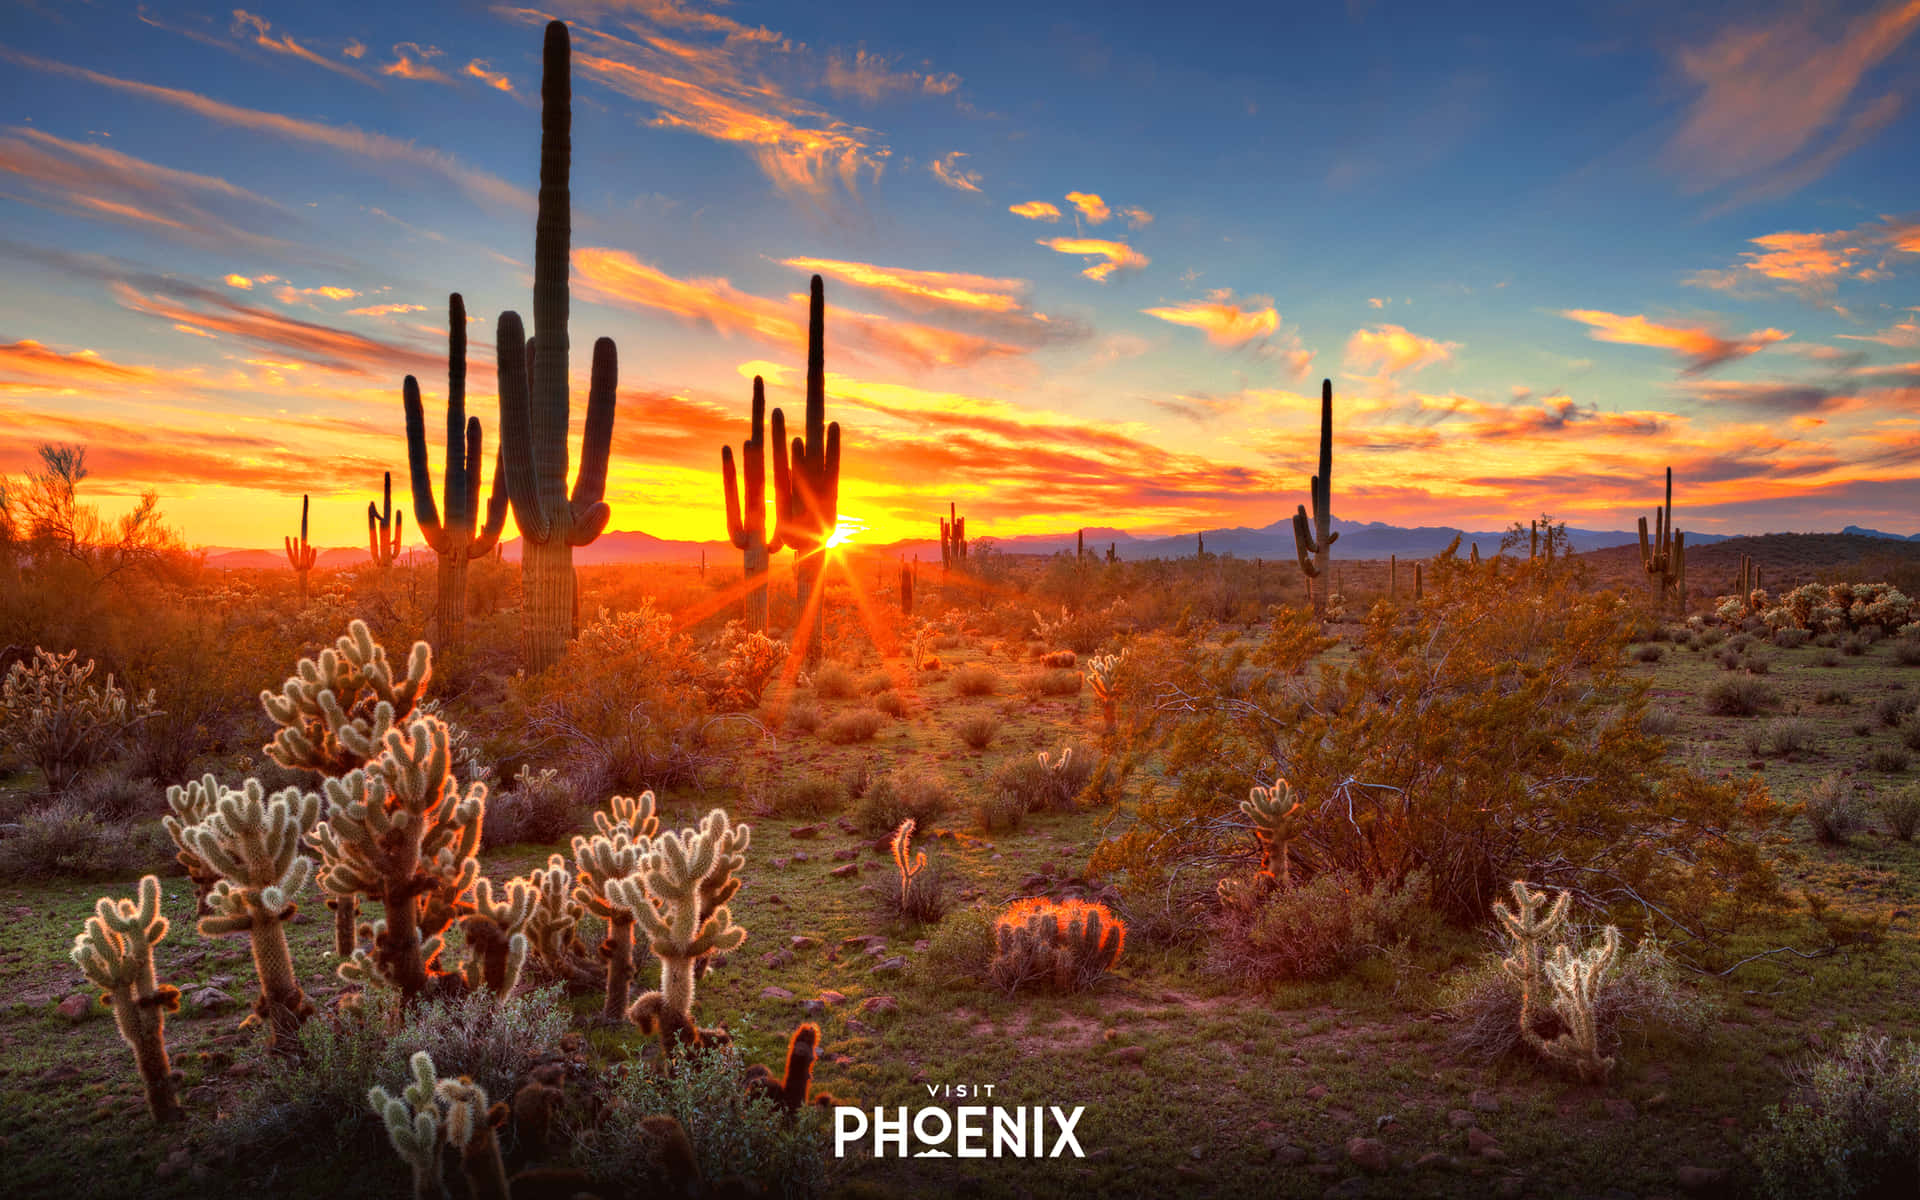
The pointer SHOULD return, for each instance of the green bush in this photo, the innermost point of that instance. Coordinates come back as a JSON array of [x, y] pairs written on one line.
[[960, 949], [1739, 698], [902, 793], [1851, 1128]]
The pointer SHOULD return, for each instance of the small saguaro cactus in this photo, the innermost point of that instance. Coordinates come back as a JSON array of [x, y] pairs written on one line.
[[1314, 543], [462, 535], [1277, 820], [666, 896], [1102, 678], [115, 951], [1530, 923], [252, 842], [806, 483], [953, 539], [533, 394], [1577, 980], [747, 510], [1749, 583], [300, 555], [383, 526], [1665, 558]]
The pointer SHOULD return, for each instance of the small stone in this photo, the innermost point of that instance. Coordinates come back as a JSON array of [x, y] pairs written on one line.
[[174, 1165], [779, 861], [890, 966], [831, 998], [1657, 1100], [210, 997], [1286, 1153], [802, 942], [774, 900], [875, 950], [1196, 1153], [1698, 1179], [845, 854], [775, 993], [879, 1005], [76, 1006], [1479, 1141], [1317, 1092], [805, 831], [920, 945], [777, 959], [801, 856], [860, 1028], [1485, 1102], [813, 1008], [1369, 1154], [1131, 1055], [846, 872]]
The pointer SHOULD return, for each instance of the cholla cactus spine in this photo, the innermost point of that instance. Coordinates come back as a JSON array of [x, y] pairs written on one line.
[[666, 897], [253, 843], [1577, 982], [115, 951]]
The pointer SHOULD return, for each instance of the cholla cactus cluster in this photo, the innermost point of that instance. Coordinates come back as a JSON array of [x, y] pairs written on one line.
[[625, 834], [679, 896], [1102, 676], [63, 723], [431, 1114], [115, 950], [1826, 608], [1066, 945], [1576, 980]]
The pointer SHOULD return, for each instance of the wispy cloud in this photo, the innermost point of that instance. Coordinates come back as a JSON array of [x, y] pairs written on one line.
[[1090, 206], [1225, 320], [1389, 350], [1036, 210], [1812, 264], [948, 171], [1113, 256], [410, 62], [1136, 217], [1903, 334], [257, 30], [304, 341], [482, 70], [28, 361], [873, 77], [922, 288], [1775, 108], [385, 310], [347, 140], [1701, 347]]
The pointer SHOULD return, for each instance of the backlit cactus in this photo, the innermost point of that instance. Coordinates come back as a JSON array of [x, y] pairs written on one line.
[[496, 936], [300, 555], [252, 842], [679, 873], [1665, 558], [115, 951], [953, 539], [533, 394], [747, 510], [1577, 981], [52, 715], [1530, 923], [613, 854], [383, 526], [414, 1125], [1314, 543], [1102, 676], [906, 861], [553, 928], [806, 483], [462, 535], [1066, 945], [1277, 820]]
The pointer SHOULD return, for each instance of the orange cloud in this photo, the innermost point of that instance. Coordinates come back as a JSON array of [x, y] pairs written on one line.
[[374, 146], [942, 288], [479, 69], [291, 294], [284, 44], [306, 341], [240, 281], [30, 361], [1115, 256], [1223, 319], [947, 170], [1391, 349], [1701, 347], [1902, 334], [1036, 210], [1137, 218], [1771, 110], [410, 62], [385, 310], [1811, 264], [354, 48], [1091, 206]]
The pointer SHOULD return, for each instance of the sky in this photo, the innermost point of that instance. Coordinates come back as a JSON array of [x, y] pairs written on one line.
[[1086, 264]]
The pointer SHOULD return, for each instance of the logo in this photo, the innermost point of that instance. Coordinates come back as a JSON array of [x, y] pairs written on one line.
[[970, 1131]]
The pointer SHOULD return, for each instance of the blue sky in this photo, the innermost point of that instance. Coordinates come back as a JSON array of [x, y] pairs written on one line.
[[1085, 264]]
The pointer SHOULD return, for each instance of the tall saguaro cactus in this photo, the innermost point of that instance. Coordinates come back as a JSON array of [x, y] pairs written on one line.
[[301, 556], [461, 537], [1315, 543], [533, 395], [953, 539], [1665, 559], [747, 512], [383, 526], [806, 485]]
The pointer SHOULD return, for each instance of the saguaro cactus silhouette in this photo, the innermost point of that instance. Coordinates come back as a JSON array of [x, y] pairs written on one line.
[[953, 539], [747, 512], [1665, 559], [533, 395], [461, 537], [384, 525], [301, 556], [1315, 544], [806, 485]]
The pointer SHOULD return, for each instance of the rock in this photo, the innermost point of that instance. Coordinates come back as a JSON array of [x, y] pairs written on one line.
[[1657, 1100], [1485, 1102], [1132, 1055], [879, 1005], [775, 993], [1699, 1179], [813, 1008], [920, 945], [802, 942], [846, 872], [831, 998], [1619, 1109], [777, 959], [175, 1164], [890, 966], [1317, 1092], [805, 831], [875, 950], [1285, 1153], [1369, 1154], [76, 1006], [779, 862], [774, 900], [801, 856], [210, 997], [1196, 1153], [1460, 1118], [1434, 1160], [1479, 1141], [845, 854], [199, 1097]]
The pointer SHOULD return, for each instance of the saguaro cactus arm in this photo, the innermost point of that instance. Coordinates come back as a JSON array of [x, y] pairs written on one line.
[[384, 526], [1314, 543]]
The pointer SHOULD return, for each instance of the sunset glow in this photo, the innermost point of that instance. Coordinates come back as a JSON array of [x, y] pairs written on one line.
[[1092, 276]]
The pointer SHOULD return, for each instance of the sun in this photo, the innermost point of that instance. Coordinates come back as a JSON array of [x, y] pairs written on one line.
[[844, 531]]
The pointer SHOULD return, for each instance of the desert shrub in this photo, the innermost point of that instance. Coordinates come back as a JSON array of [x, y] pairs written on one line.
[[1659, 722], [1826, 658], [751, 1140], [1712, 636], [811, 796], [1900, 809], [859, 775], [890, 703], [1063, 945], [61, 722], [1890, 759], [1785, 735], [61, 840], [802, 718], [751, 661], [978, 730], [975, 680], [1319, 928], [113, 794], [1854, 645], [1651, 652], [904, 793], [834, 682], [1044, 781], [1754, 664], [1056, 682], [1790, 638], [996, 811], [1740, 698], [1832, 809], [1058, 659], [960, 950], [921, 894], [1849, 1127], [539, 806], [1643, 997], [855, 725], [876, 683], [1909, 732], [1906, 652], [1833, 696], [1891, 710]]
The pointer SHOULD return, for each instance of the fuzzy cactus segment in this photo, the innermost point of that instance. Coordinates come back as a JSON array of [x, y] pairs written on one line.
[[1577, 981], [1277, 820], [414, 1125], [602, 861], [678, 872], [253, 843], [1065, 945], [553, 927], [115, 951], [497, 943]]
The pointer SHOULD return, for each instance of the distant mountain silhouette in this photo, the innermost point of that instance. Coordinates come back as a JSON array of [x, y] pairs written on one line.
[[1911, 537]]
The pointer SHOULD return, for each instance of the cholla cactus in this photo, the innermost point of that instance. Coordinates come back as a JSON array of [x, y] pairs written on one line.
[[63, 723], [192, 804], [334, 711], [633, 814], [414, 1125], [401, 831], [1277, 820], [553, 927], [1530, 923], [115, 950], [496, 938], [253, 843], [1100, 675], [1066, 945], [1577, 981], [603, 860], [678, 873], [909, 863]]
